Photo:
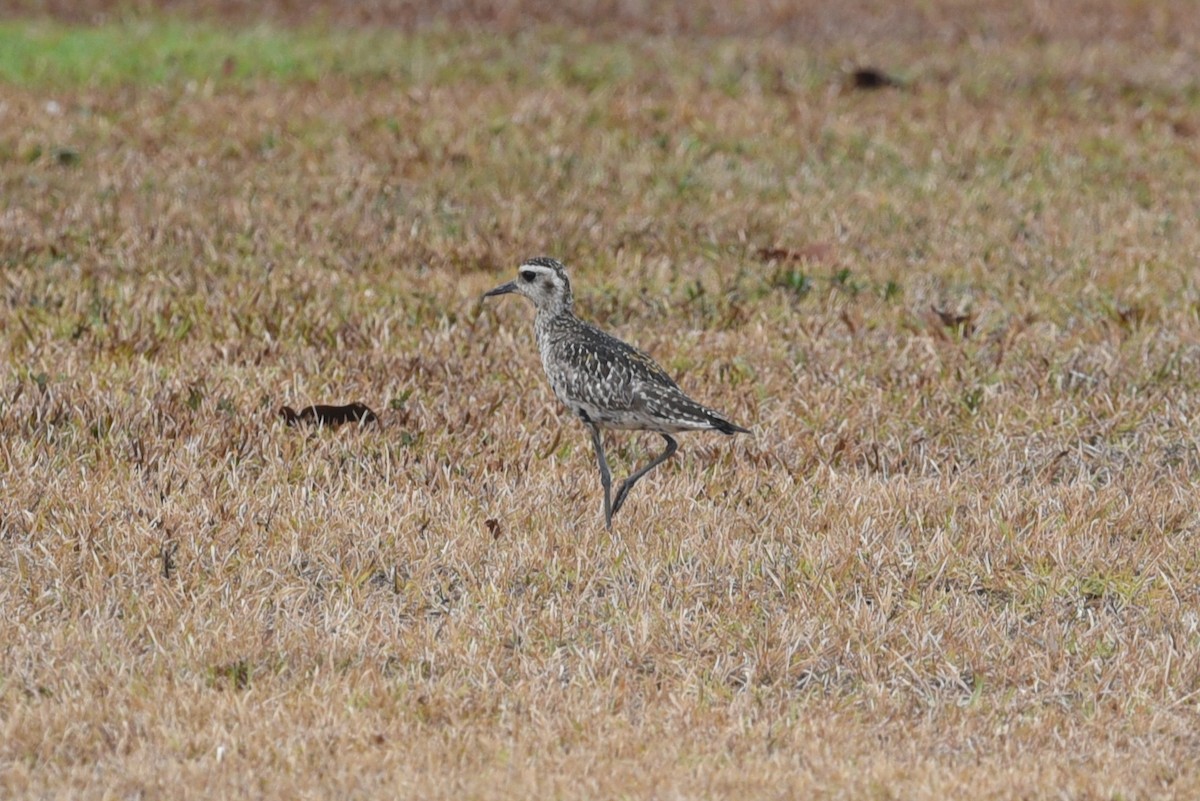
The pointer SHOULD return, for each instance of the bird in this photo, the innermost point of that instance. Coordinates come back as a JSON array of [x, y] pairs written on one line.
[[605, 382]]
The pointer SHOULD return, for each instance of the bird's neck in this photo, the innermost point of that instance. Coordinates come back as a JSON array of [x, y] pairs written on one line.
[[564, 308], [550, 320]]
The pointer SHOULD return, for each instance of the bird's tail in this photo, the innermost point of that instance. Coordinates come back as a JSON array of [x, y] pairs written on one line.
[[725, 426], [673, 406]]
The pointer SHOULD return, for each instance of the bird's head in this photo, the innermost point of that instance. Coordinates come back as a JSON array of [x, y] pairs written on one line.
[[544, 281]]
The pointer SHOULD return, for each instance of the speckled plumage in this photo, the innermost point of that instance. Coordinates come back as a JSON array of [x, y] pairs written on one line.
[[605, 382], [614, 385]]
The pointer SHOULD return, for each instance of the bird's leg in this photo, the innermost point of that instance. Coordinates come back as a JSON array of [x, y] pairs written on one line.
[[605, 475], [627, 485]]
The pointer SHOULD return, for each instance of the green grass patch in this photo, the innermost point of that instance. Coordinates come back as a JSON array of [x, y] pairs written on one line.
[[48, 53], [45, 53], [158, 50]]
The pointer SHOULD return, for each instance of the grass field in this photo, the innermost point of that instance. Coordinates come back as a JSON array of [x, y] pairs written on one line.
[[959, 557]]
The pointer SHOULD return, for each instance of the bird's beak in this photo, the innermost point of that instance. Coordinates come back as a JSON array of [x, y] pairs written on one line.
[[503, 289]]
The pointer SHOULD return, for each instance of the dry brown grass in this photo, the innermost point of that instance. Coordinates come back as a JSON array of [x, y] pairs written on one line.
[[1151, 22], [958, 557]]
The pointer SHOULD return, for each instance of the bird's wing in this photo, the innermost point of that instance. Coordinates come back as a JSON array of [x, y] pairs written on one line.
[[601, 370]]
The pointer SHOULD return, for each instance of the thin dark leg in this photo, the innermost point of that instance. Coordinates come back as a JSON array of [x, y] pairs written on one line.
[[627, 485], [605, 475]]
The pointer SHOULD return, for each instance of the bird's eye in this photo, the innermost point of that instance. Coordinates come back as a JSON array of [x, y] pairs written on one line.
[[528, 275]]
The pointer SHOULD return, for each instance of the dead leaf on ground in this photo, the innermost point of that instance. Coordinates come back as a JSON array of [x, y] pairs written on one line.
[[962, 321], [332, 416], [815, 253], [873, 78], [493, 527]]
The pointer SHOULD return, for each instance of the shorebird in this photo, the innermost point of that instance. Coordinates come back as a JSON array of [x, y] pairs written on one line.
[[603, 381]]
